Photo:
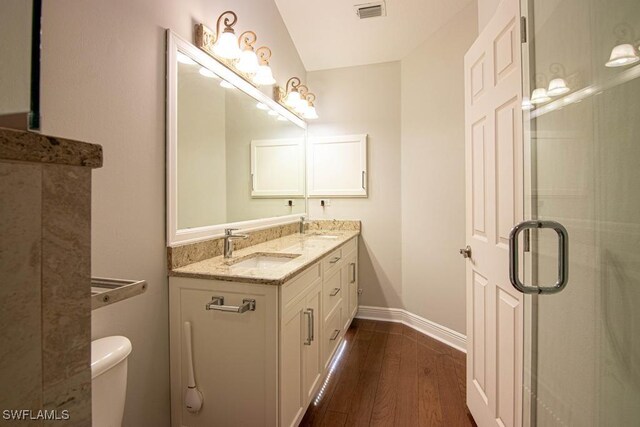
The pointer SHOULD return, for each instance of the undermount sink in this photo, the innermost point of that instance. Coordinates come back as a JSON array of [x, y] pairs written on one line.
[[322, 236], [262, 260]]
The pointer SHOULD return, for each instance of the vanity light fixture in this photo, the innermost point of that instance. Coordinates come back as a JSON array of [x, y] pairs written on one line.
[[557, 87], [226, 44], [248, 62], [292, 98], [310, 110], [225, 84], [264, 75], [301, 106], [526, 104], [207, 73], [623, 54], [184, 59], [540, 96]]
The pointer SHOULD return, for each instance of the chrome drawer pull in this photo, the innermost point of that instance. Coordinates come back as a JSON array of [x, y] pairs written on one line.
[[334, 292], [335, 259], [217, 303], [353, 271], [309, 313], [335, 334]]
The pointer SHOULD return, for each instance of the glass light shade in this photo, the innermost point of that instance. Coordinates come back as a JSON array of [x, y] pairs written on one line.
[[301, 106], [227, 46], [557, 87], [262, 106], [264, 76], [293, 99], [248, 62], [311, 113], [207, 73], [526, 104], [540, 96], [184, 59], [621, 55], [225, 84]]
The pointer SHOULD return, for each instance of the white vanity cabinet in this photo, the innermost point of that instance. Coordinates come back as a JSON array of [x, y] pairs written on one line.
[[261, 367]]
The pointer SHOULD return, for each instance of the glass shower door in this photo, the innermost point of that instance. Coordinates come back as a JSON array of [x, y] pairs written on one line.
[[582, 136]]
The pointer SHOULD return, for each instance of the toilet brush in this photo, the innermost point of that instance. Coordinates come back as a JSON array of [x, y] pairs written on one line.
[[193, 397]]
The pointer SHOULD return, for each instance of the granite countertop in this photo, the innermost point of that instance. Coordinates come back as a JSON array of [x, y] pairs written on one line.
[[310, 248]]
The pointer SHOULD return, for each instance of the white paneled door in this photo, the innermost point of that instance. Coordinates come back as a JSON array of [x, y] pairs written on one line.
[[494, 200]]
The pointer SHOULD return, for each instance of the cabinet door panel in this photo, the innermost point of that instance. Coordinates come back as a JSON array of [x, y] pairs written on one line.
[[293, 331], [312, 364]]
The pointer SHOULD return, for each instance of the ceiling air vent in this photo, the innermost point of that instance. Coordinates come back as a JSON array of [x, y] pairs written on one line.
[[370, 10]]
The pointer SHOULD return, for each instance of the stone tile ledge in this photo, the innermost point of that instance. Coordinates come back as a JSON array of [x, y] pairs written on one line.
[[33, 147]]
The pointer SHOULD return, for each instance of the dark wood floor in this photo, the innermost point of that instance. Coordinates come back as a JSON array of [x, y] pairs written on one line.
[[391, 375]]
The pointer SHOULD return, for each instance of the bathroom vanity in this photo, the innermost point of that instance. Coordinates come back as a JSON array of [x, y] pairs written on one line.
[[265, 326]]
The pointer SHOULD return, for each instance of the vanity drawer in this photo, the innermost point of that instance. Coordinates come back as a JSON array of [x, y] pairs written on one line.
[[332, 261], [297, 286], [332, 334], [332, 292], [349, 247]]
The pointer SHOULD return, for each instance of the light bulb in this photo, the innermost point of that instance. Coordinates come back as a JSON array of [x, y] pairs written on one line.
[[621, 55], [264, 76], [311, 113], [207, 73], [248, 62], [184, 59], [292, 99], [540, 96], [227, 46], [225, 84], [557, 87]]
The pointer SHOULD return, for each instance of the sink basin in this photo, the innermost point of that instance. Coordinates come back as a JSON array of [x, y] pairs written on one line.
[[323, 236], [262, 260]]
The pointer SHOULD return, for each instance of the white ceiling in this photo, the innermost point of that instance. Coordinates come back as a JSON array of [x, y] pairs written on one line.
[[329, 34]]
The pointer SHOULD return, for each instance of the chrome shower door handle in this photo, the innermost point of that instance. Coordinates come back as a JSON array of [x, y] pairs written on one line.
[[563, 257]]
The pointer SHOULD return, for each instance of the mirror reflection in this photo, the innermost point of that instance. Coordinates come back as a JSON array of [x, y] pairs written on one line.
[[237, 160]]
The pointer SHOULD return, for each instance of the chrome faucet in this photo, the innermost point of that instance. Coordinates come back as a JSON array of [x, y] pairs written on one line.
[[228, 241], [302, 223]]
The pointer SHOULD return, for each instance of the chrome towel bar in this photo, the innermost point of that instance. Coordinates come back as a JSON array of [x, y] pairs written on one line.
[[217, 303]]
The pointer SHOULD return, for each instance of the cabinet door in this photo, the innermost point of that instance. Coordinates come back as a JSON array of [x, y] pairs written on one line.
[[293, 331], [311, 342]]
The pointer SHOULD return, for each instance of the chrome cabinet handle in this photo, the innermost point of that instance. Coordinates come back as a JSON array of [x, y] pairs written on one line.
[[335, 334], [563, 257], [334, 292], [335, 259], [309, 313], [364, 186], [217, 303], [353, 272], [466, 252]]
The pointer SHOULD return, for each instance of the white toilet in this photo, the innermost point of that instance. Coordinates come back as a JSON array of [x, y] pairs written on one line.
[[109, 380]]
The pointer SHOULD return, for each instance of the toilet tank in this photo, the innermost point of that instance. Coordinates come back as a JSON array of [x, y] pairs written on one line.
[[109, 380]]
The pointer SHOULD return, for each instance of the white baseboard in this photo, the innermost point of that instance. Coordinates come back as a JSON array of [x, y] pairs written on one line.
[[434, 330]]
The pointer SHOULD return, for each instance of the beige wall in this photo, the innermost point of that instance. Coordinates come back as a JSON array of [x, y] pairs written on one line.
[[15, 51], [486, 9], [103, 79], [433, 187], [356, 100]]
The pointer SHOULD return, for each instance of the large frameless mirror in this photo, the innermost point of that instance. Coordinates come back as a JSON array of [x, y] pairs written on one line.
[[235, 158]]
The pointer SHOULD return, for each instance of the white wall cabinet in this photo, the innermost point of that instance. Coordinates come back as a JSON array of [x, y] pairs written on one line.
[[277, 168], [337, 166], [275, 357]]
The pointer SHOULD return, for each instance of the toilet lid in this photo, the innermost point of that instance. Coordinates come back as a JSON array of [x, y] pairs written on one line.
[[108, 352]]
